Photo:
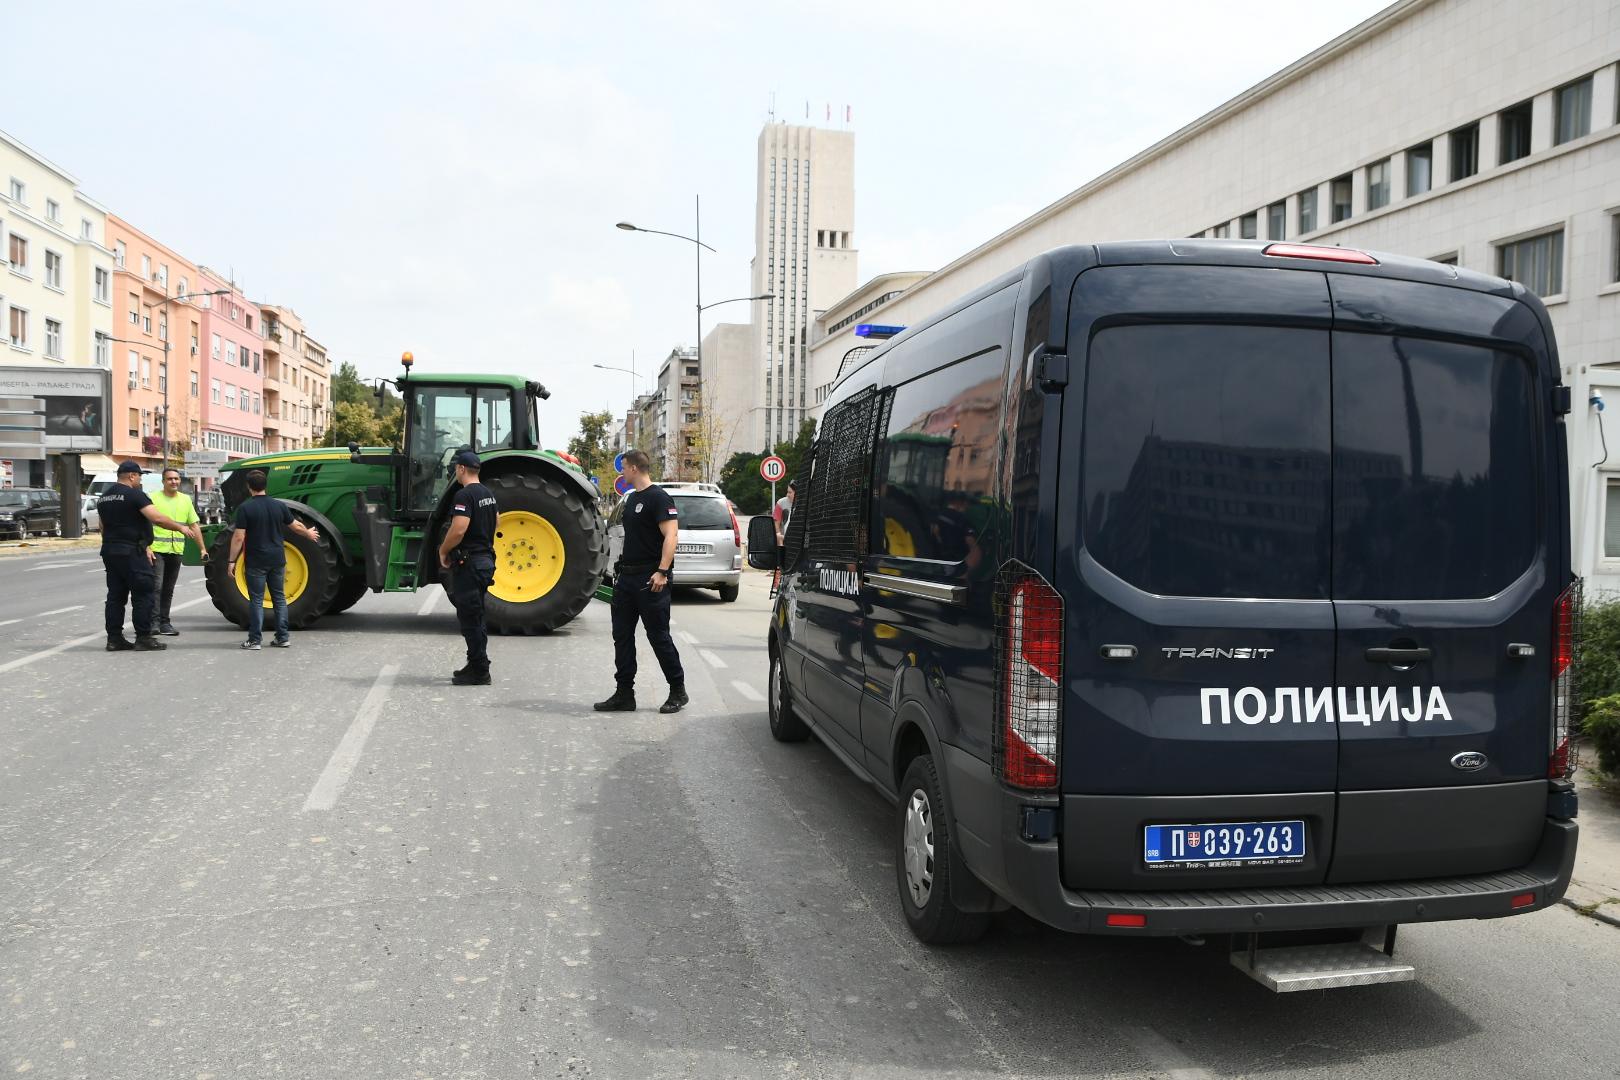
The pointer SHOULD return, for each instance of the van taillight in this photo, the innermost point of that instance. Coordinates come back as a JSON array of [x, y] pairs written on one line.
[[1321, 252], [1566, 643], [1029, 647], [736, 529]]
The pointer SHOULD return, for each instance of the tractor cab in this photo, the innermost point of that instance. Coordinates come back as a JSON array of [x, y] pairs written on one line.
[[442, 417]]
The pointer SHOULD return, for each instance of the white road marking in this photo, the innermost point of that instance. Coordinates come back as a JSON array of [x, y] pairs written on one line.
[[433, 594], [97, 570], [747, 691], [324, 795], [60, 611], [688, 637], [711, 658], [8, 622], [1165, 1054], [24, 661], [53, 566]]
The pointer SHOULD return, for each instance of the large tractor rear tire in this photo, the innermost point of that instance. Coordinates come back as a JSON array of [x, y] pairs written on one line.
[[350, 590], [550, 545], [311, 585]]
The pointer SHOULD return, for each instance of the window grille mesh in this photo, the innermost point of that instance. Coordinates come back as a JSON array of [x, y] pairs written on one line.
[[833, 524]]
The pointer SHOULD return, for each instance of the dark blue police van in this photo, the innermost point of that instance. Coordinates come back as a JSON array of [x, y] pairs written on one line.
[[1189, 588]]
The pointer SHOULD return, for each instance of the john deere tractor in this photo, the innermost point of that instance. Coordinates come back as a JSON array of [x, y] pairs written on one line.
[[381, 512]]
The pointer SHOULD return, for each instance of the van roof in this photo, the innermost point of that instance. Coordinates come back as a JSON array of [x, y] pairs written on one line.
[[1063, 264]]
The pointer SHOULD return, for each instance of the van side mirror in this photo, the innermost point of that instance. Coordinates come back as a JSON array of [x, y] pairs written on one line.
[[762, 553]]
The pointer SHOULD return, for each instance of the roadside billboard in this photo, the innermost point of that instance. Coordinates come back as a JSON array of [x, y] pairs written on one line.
[[73, 402]]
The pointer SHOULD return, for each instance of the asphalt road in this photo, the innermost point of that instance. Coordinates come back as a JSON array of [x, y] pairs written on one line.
[[328, 862]]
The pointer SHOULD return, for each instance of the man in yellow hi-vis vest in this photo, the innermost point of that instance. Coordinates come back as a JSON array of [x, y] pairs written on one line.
[[169, 545]]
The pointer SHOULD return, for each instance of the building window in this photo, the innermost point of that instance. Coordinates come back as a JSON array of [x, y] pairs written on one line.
[[1221, 231], [134, 423], [1536, 262], [103, 351], [1446, 260], [1513, 133], [213, 390], [1307, 210], [216, 346], [19, 253], [134, 368], [1614, 247], [1572, 109], [146, 267], [1419, 169], [146, 373], [19, 328], [19, 192], [53, 269], [146, 319], [53, 339], [230, 395], [1464, 152], [118, 252], [1249, 226], [181, 291], [87, 228], [1340, 194], [1277, 221], [103, 285], [1611, 520], [193, 384], [163, 376], [1378, 185], [53, 211]]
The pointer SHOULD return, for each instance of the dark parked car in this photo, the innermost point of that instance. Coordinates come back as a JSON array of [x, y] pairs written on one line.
[[1188, 588], [26, 512]]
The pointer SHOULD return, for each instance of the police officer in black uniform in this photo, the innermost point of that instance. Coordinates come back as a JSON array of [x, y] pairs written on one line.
[[127, 516], [468, 552], [641, 588]]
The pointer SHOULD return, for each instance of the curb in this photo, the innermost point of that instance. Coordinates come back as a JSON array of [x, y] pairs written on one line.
[[13, 548], [1592, 903]]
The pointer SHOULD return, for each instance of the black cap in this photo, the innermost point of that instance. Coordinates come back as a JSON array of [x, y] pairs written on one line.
[[467, 458], [129, 467]]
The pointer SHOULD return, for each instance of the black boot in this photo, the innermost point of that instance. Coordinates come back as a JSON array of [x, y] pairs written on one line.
[[470, 676], [119, 644], [148, 643], [677, 699], [623, 700]]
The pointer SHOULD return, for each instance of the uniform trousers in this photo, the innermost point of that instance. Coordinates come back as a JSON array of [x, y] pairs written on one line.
[[634, 601], [468, 584], [130, 577]]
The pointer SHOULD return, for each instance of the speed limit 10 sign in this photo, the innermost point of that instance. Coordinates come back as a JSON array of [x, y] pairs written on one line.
[[773, 468]]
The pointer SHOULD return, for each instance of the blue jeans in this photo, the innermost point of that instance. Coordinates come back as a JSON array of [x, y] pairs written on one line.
[[258, 577]]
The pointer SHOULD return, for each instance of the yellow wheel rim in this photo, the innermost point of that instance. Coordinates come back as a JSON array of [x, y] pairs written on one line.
[[297, 576], [529, 557]]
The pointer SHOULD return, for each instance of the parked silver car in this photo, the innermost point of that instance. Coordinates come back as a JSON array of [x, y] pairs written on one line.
[[708, 549]]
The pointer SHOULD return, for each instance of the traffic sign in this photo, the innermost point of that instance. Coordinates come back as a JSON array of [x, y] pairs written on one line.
[[618, 464], [773, 468], [622, 486]]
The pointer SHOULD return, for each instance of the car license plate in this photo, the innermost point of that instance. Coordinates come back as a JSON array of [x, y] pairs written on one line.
[[1247, 843], [691, 549]]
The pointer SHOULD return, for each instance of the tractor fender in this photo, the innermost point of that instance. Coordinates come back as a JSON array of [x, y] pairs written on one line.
[[323, 523], [530, 462]]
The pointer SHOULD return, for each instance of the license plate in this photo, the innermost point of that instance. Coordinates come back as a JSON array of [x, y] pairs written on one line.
[[691, 549], [1246, 843]]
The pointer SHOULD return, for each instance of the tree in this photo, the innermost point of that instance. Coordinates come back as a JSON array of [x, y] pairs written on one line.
[[353, 421], [347, 387], [592, 448], [743, 485], [391, 427]]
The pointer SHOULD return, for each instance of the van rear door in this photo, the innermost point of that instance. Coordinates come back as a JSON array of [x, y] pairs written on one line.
[[1445, 578], [1195, 530]]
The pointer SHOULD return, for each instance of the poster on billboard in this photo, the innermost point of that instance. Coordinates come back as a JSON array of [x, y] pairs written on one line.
[[75, 404]]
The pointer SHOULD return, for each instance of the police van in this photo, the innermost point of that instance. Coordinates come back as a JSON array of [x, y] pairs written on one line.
[[1193, 588]]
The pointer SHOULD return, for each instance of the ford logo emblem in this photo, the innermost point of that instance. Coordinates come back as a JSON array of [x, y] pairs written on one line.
[[1469, 761]]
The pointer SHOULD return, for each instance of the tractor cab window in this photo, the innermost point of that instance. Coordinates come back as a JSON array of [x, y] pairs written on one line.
[[494, 420], [441, 422]]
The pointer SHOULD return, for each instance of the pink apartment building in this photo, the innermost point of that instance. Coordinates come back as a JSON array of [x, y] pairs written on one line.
[[231, 351]]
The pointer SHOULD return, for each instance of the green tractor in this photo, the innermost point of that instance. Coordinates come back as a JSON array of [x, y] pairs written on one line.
[[381, 512]]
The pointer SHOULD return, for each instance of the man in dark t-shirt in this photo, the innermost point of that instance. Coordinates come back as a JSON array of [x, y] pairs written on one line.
[[641, 588], [468, 552], [259, 536], [127, 516]]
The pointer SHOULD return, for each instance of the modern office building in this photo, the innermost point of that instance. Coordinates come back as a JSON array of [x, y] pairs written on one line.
[[56, 294], [1481, 133], [805, 257]]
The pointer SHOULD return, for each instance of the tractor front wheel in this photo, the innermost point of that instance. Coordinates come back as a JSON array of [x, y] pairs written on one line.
[[549, 551], [311, 581]]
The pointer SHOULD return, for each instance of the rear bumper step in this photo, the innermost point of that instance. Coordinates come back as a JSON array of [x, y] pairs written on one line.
[[1321, 967]]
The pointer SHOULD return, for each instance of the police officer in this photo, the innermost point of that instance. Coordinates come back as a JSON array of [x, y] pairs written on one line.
[[468, 551], [641, 588], [127, 516]]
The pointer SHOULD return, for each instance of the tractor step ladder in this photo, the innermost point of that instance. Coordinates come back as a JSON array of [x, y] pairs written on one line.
[[1285, 969]]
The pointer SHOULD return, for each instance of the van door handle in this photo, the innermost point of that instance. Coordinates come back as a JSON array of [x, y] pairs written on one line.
[[1397, 656]]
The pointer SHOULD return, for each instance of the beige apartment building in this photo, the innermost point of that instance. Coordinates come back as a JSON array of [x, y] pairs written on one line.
[[297, 382]]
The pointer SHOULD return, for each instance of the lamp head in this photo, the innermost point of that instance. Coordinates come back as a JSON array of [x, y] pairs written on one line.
[[626, 226], [407, 359]]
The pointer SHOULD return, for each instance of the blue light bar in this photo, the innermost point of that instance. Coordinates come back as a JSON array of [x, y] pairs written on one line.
[[873, 330]]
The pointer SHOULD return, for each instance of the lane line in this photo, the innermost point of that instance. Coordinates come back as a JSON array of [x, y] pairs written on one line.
[[711, 658], [324, 795], [1164, 1054], [433, 594], [97, 570], [747, 691], [60, 611], [8, 622], [54, 565], [688, 637]]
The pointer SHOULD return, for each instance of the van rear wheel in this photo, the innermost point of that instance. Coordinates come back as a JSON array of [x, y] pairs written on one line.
[[923, 863], [785, 726]]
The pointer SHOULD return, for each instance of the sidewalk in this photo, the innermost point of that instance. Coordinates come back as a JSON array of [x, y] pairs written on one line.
[[47, 545], [1595, 888]]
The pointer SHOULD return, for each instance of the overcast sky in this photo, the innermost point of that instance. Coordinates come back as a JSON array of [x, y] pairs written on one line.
[[444, 177]]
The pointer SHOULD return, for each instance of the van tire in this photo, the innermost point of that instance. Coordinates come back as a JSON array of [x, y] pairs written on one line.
[[785, 726], [729, 593], [924, 819]]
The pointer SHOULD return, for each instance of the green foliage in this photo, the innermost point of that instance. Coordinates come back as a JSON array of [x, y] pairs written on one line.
[[591, 444], [347, 387], [1603, 728], [1600, 654], [360, 415], [740, 478], [391, 426], [353, 421]]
